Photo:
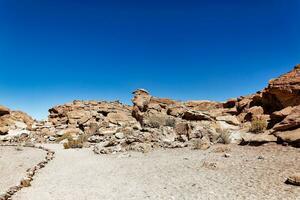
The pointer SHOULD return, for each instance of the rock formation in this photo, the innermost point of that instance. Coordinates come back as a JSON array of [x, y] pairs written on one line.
[[14, 125], [270, 115]]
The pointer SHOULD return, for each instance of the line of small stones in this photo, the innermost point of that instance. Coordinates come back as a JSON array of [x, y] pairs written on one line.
[[26, 180]]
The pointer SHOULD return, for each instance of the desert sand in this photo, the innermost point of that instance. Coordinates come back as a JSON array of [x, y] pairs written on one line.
[[237, 172]]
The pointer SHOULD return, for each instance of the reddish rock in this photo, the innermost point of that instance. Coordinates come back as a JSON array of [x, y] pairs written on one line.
[[176, 110], [283, 91], [202, 105], [244, 103], [253, 112], [182, 129], [230, 103], [4, 110], [289, 136], [281, 114], [196, 116], [292, 121], [141, 99], [278, 116]]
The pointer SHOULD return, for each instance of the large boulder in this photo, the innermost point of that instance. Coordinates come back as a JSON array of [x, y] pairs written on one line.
[[258, 138], [292, 121], [292, 136], [4, 110], [229, 119], [141, 99], [194, 115], [283, 91]]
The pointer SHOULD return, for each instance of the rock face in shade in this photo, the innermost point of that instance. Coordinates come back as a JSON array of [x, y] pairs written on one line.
[[283, 91], [4, 110]]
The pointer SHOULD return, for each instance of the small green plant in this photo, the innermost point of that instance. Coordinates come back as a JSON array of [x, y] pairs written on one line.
[[258, 125]]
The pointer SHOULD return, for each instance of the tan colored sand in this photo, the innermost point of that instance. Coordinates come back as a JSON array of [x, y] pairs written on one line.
[[14, 163], [249, 173]]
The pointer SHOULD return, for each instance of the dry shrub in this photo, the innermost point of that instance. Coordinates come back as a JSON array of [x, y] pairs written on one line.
[[171, 122], [201, 144], [71, 144], [77, 143], [156, 121], [67, 136], [258, 125], [224, 137]]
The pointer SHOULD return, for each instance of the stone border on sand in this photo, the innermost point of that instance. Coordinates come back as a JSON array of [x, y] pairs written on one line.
[[26, 180]]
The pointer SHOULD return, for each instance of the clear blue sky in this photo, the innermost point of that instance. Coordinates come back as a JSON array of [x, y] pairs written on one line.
[[54, 51]]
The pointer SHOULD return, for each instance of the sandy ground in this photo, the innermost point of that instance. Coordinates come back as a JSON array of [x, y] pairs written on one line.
[[248, 173], [14, 163]]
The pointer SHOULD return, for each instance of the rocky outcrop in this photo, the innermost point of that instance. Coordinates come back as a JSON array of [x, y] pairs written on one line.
[[283, 91], [14, 125], [4, 110], [86, 117], [291, 121], [161, 122]]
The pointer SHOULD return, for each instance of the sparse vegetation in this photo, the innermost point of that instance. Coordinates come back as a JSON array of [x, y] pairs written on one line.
[[258, 125], [224, 137], [201, 144], [67, 136], [156, 121], [75, 143], [171, 122]]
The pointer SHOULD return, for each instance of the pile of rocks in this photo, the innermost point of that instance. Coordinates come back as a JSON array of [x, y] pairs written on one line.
[[15, 126], [278, 105], [160, 122], [150, 123]]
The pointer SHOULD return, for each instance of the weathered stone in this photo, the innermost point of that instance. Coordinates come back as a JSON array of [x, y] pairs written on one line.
[[292, 136], [4, 110], [182, 128], [283, 91], [25, 182], [196, 116], [3, 130], [229, 119], [254, 112], [258, 138], [202, 105], [230, 103], [292, 121], [294, 179], [141, 99], [119, 135]]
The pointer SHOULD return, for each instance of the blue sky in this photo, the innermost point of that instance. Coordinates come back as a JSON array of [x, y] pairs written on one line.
[[55, 51]]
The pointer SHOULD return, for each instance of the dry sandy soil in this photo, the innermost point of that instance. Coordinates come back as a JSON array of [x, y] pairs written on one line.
[[248, 173], [14, 163]]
